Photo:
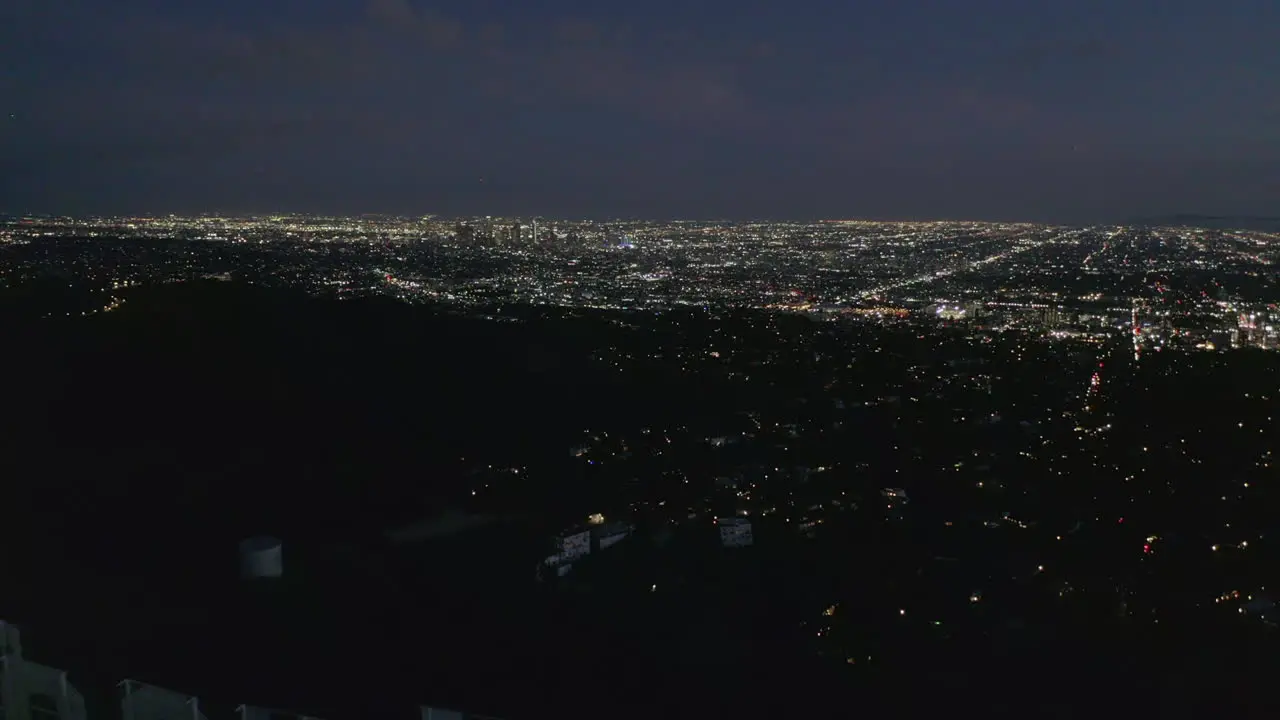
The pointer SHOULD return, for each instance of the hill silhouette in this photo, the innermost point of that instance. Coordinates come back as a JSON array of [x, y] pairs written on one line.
[[140, 445]]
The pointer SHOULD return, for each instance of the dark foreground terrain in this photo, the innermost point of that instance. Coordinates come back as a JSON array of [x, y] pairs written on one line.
[[139, 446]]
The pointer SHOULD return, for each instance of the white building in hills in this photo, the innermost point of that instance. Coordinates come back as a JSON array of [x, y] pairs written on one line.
[[595, 535], [608, 534], [735, 531]]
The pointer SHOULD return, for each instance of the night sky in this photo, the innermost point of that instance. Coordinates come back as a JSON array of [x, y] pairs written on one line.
[[1083, 111]]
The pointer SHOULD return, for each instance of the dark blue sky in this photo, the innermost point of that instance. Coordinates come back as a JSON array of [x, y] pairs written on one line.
[[1002, 109]]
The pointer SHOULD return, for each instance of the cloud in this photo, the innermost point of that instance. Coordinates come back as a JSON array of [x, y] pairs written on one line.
[[436, 31], [410, 86], [418, 51], [576, 33], [395, 13], [1037, 54], [404, 81]]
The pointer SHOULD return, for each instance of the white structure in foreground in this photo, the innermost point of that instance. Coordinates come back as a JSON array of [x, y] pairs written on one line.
[[31, 691], [148, 702], [261, 557]]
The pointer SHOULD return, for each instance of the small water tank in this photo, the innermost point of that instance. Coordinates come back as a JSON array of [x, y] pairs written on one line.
[[261, 557]]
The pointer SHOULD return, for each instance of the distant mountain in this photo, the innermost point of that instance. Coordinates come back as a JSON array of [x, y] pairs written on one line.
[[1217, 222]]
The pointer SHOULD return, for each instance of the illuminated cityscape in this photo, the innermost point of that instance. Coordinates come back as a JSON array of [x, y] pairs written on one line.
[[639, 360], [1172, 287], [873, 448]]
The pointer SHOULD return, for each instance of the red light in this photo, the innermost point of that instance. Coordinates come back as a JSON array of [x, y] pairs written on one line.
[[1146, 548], [1120, 520]]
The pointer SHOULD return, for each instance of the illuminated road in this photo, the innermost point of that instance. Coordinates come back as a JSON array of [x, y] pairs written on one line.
[[1023, 246]]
